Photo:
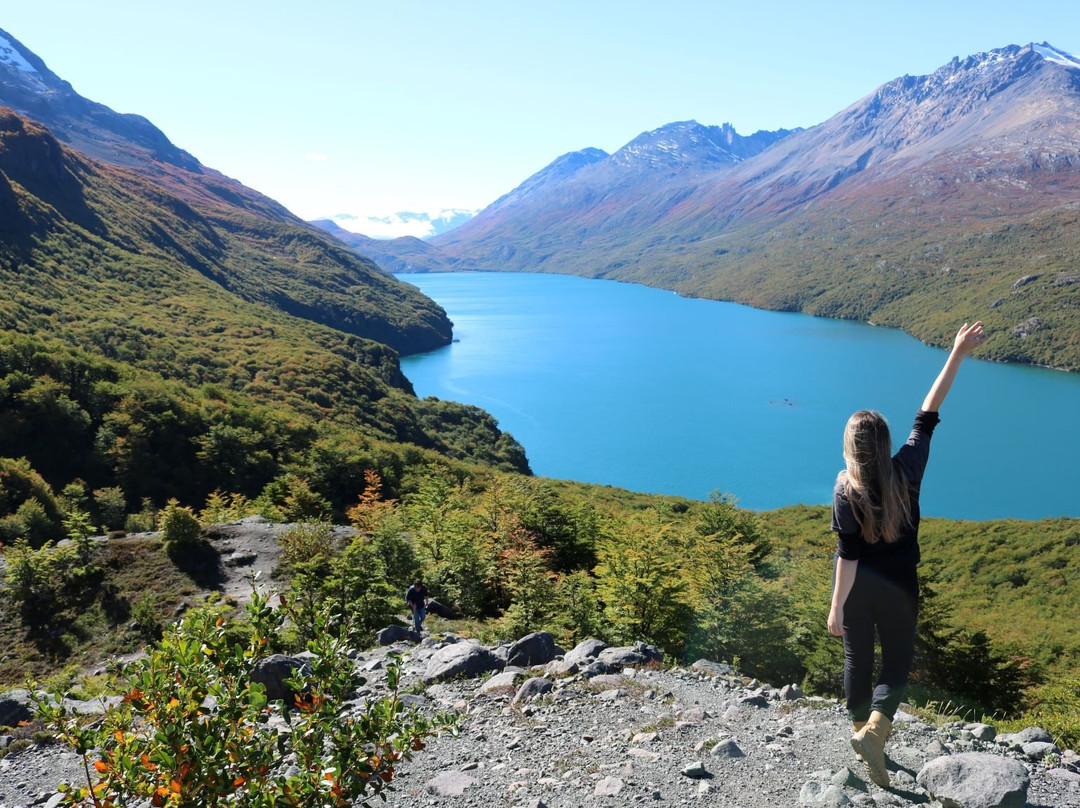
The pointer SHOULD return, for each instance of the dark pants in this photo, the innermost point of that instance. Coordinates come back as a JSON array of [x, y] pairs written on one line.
[[893, 609]]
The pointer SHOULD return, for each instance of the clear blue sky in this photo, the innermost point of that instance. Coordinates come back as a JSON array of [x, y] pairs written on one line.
[[339, 106]]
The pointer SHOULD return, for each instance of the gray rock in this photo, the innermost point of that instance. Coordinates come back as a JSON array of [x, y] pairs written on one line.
[[815, 792], [508, 678], [846, 778], [1037, 750], [1017, 740], [713, 668], [753, 701], [92, 706], [15, 707], [537, 648], [727, 748], [597, 668], [983, 732], [393, 634], [608, 787], [533, 689], [460, 659], [624, 656], [449, 784], [791, 693], [1065, 776], [696, 770], [274, 670], [976, 780]]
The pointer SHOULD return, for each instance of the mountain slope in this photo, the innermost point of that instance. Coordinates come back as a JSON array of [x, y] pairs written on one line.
[[934, 199], [246, 241]]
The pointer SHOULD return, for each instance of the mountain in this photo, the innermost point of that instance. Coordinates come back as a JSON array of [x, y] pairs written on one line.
[[404, 223], [251, 244], [932, 200], [403, 254], [166, 332]]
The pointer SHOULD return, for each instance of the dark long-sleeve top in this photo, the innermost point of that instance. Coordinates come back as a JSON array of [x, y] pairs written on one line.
[[895, 560]]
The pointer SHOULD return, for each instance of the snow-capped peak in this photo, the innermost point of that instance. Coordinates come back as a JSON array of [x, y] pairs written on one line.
[[9, 55], [1052, 54]]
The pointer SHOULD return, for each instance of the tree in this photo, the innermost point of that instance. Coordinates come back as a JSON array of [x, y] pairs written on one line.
[[640, 582], [524, 573]]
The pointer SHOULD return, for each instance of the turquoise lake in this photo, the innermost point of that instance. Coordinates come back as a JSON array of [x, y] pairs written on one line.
[[639, 388]]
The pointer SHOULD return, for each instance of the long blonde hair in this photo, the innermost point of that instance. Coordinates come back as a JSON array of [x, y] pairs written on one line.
[[877, 492]]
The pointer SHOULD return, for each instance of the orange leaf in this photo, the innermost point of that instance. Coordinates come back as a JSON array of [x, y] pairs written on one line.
[[239, 781], [101, 766], [174, 786], [119, 736]]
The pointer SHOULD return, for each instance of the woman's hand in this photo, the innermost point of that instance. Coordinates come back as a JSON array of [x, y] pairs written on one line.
[[836, 621], [968, 338]]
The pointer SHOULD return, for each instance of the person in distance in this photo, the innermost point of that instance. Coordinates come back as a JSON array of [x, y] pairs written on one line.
[[876, 518]]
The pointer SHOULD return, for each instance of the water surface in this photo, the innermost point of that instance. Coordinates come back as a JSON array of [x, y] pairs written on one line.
[[624, 385]]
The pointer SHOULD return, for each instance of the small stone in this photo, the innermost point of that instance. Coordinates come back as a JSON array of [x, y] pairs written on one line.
[[449, 784], [608, 787], [696, 770], [727, 749]]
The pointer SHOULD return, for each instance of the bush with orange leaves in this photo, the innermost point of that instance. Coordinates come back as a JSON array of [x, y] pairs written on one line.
[[194, 730]]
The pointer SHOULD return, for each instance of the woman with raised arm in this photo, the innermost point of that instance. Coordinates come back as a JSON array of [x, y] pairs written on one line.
[[876, 519]]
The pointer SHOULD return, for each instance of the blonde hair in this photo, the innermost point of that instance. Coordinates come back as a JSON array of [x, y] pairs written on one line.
[[878, 493]]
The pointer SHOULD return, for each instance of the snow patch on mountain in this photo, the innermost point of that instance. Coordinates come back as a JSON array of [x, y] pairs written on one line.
[[9, 55], [1052, 54]]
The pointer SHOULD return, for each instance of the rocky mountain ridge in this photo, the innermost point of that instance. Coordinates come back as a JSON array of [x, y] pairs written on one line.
[[205, 222], [921, 204]]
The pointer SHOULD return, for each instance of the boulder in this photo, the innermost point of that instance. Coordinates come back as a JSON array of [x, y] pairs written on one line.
[[1027, 735], [15, 707], [594, 669], [727, 749], [713, 668], [507, 679], [393, 634], [537, 648], [272, 672], [976, 780], [624, 656], [586, 649], [439, 609], [1037, 750], [532, 689], [791, 693], [460, 659], [982, 732]]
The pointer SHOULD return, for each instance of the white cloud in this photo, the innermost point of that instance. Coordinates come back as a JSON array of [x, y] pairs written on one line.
[[316, 158]]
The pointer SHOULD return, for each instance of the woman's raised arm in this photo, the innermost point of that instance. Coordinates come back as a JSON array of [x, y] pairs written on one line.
[[967, 338]]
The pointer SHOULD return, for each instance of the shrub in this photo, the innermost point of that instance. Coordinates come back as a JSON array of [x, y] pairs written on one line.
[[222, 507], [144, 521], [166, 745], [112, 506], [307, 542], [178, 526], [144, 616]]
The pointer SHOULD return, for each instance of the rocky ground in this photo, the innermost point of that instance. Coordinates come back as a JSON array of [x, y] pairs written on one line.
[[696, 736], [605, 727]]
